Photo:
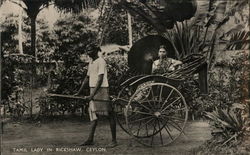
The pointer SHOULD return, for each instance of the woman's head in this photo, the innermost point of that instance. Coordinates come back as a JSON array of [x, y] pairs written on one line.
[[162, 53]]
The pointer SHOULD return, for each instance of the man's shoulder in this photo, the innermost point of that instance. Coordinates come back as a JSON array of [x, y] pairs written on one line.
[[101, 60]]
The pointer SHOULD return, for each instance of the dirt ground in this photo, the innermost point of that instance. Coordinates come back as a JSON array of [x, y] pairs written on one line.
[[58, 137]]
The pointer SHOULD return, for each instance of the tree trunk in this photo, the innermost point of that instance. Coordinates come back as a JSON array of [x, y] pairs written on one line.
[[20, 42], [33, 53], [33, 36]]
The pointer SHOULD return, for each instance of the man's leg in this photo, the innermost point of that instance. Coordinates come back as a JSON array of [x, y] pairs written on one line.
[[92, 130], [90, 140], [112, 123]]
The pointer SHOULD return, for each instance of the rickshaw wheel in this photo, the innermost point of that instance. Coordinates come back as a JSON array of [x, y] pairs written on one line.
[[120, 104], [156, 114]]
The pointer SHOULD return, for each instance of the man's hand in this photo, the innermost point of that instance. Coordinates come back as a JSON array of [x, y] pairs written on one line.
[[88, 98]]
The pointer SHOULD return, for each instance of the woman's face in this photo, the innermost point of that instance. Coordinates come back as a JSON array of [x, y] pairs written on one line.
[[162, 53]]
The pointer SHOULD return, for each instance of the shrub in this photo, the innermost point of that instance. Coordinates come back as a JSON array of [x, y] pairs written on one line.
[[14, 78], [68, 81], [117, 67], [228, 124], [227, 86]]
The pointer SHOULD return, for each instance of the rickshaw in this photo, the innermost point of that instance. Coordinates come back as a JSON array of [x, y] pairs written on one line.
[[152, 108]]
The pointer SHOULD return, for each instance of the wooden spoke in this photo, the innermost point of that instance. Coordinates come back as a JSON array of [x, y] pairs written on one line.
[[166, 125], [168, 130], [140, 112], [139, 129], [167, 99], [160, 95], [170, 104], [161, 110], [147, 128], [160, 131], [131, 125], [144, 106], [176, 126], [153, 96], [179, 109], [132, 116], [172, 117], [175, 111], [124, 100], [148, 101], [141, 119], [148, 121], [152, 139]]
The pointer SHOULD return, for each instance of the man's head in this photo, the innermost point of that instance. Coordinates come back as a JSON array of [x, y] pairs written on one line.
[[162, 52], [94, 51]]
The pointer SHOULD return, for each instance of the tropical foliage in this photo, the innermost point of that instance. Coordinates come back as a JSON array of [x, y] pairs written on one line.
[[73, 34], [200, 33], [228, 123]]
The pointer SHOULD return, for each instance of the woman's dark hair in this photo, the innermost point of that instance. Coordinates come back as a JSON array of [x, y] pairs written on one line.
[[92, 50], [163, 46]]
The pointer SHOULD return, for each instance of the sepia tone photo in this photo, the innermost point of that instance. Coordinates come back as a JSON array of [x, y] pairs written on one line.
[[136, 77]]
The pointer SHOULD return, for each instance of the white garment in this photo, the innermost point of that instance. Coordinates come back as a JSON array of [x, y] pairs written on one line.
[[92, 109], [95, 69]]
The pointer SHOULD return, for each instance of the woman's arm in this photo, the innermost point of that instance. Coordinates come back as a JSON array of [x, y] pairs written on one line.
[[176, 62], [154, 66]]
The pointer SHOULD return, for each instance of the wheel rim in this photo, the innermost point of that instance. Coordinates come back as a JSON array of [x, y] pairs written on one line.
[[120, 105], [156, 114]]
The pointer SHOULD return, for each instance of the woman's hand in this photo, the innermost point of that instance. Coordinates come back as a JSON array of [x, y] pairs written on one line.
[[77, 94], [178, 66]]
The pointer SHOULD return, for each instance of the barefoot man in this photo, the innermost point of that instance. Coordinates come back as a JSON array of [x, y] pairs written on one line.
[[99, 94]]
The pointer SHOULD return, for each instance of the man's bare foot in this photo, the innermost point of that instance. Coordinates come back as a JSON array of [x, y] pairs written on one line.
[[86, 143], [112, 144]]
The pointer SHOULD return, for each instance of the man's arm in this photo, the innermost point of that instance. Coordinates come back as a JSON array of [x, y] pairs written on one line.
[[98, 85], [85, 81]]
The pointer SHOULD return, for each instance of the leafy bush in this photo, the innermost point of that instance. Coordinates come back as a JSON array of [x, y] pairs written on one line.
[[56, 106], [227, 107], [68, 81], [117, 66], [74, 34], [227, 85], [228, 124], [15, 78]]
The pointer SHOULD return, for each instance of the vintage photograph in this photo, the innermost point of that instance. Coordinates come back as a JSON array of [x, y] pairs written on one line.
[[134, 77]]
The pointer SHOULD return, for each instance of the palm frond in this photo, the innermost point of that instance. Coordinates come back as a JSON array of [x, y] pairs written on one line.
[[227, 122], [75, 6], [238, 41]]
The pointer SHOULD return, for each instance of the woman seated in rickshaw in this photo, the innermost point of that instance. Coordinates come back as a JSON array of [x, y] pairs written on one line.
[[160, 66], [164, 64]]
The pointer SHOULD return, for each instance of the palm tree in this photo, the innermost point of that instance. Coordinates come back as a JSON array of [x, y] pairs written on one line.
[[33, 7], [161, 14], [20, 31]]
